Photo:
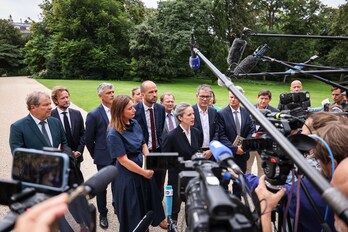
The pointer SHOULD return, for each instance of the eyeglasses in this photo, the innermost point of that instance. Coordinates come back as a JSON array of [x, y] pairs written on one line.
[[204, 97]]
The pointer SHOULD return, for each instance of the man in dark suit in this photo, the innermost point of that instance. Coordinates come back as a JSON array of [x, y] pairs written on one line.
[[38, 129], [235, 121], [97, 122], [71, 120], [151, 117], [167, 100], [264, 97], [205, 117]]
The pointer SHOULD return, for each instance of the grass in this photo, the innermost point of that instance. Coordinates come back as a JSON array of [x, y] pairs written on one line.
[[84, 93]]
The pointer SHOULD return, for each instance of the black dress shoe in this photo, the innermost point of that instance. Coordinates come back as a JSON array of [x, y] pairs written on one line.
[[103, 221]]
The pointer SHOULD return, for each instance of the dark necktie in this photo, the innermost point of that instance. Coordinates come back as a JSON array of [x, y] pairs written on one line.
[[170, 122], [44, 133], [68, 133], [236, 121], [153, 129]]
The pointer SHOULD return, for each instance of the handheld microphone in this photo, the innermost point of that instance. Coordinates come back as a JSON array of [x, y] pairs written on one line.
[[250, 61], [236, 51], [194, 60], [168, 193], [224, 156], [145, 222], [97, 183]]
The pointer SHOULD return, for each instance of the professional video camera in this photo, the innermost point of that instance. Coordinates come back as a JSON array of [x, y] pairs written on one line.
[[38, 175], [275, 162], [208, 205]]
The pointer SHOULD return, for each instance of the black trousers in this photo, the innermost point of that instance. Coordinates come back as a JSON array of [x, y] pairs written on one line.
[[101, 197]]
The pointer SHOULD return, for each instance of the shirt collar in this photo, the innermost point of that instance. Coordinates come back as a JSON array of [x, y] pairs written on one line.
[[36, 120], [105, 108]]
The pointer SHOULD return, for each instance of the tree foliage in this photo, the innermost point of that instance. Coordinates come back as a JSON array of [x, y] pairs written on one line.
[[10, 42]]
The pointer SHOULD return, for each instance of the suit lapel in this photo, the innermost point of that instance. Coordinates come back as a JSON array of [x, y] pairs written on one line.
[[103, 114], [36, 131]]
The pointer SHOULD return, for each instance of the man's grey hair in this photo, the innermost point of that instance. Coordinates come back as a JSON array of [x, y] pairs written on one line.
[[104, 85], [180, 108], [34, 98], [205, 87], [240, 89]]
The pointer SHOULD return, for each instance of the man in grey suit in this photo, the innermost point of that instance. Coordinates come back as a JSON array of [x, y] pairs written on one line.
[[167, 100], [97, 122], [71, 120], [38, 129]]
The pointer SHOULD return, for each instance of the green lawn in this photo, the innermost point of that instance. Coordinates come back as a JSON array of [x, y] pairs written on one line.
[[84, 93]]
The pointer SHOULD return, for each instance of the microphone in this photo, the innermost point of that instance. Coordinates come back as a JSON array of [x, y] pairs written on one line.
[[97, 183], [168, 193], [194, 60], [276, 115], [224, 156], [236, 51], [145, 222], [250, 61]]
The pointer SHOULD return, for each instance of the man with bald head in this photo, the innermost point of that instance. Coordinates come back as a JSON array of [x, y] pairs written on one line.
[[151, 117], [295, 87]]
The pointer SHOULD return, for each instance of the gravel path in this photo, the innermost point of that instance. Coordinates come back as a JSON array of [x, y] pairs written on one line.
[[13, 91]]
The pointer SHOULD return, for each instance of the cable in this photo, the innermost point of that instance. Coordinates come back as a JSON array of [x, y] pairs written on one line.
[[332, 165]]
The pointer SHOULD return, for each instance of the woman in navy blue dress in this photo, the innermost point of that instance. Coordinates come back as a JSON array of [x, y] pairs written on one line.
[[132, 187]]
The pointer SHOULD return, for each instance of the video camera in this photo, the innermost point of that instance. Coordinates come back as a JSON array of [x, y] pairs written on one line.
[[36, 176], [208, 205]]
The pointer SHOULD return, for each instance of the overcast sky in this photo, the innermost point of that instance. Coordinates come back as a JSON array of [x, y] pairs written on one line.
[[21, 9]]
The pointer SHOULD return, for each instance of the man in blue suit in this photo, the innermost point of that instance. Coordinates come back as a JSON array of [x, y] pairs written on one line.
[[235, 121], [205, 117], [72, 119], [264, 97], [97, 122], [151, 117], [38, 129]]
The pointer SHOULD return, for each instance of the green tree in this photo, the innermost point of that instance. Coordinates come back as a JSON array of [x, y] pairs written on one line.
[[10, 43]]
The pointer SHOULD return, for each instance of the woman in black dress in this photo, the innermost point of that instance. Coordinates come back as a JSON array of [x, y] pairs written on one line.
[[185, 140], [132, 187]]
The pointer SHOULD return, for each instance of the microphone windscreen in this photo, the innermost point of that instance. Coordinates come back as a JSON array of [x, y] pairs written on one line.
[[194, 63], [246, 65], [217, 148], [236, 50], [99, 181]]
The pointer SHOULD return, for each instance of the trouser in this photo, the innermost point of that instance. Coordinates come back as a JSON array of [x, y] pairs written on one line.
[[101, 197]]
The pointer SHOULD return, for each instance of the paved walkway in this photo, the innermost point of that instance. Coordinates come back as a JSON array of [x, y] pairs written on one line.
[[13, 92]]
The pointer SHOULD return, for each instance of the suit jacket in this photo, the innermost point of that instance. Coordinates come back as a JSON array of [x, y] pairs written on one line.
[[227, 127], [77, 130], [272, 109], [159, 112], [212, 114], [166, 129], [176, 141], [95, 136], [25, 133]]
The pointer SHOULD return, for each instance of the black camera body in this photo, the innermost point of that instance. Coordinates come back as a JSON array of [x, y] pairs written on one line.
[[295, 100]]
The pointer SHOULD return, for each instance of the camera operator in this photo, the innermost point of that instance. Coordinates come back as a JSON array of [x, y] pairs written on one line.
[[184, 139], [295, 86], [41, 217], [335, 134]]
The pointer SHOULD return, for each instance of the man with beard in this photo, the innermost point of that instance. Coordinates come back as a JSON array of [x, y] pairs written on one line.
[[72, 122], [151, 117]]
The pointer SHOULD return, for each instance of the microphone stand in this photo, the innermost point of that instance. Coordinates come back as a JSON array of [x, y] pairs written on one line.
[[305, 73], [334, 198], [294, 72]]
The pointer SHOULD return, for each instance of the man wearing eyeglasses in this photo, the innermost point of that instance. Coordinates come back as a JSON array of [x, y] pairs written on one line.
[[205, 117]]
